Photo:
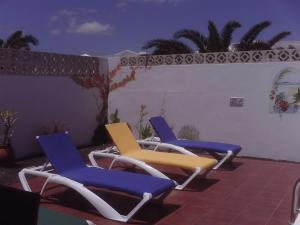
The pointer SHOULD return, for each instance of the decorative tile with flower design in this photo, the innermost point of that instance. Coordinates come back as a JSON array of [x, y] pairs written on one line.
[[285, 93]]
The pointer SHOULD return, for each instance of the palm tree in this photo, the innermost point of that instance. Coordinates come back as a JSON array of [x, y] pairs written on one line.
[[167, 47], [248, 42], [215, 41], [19, 41]]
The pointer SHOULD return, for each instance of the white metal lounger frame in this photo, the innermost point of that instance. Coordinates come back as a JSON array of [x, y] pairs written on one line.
[[111, 152], [154, 141], [101, 206], [295, 218]]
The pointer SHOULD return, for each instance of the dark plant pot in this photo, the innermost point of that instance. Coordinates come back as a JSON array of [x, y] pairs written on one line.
[[7, 155], [100, 136], [4, 154]]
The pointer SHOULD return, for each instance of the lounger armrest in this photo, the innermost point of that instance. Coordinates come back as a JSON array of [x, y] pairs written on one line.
[[159, 145], [125, 159], [110, 152], [152, 138]]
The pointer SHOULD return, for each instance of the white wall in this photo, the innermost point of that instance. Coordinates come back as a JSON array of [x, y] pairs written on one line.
[[199, 95], [40, 101]]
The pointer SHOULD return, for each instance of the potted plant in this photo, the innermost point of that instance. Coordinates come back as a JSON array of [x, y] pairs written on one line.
[[7, 120]]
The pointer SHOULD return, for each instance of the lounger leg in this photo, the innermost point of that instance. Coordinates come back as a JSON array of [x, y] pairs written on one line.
[[163, 196], [24, 182], [93, 161], [190, 178], [102, 207], [225, 158]]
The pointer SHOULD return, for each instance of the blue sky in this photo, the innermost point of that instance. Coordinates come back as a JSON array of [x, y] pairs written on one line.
[[104, 27]]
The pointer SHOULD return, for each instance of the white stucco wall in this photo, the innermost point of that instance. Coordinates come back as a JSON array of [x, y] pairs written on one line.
[[41, 101], [199, 95]]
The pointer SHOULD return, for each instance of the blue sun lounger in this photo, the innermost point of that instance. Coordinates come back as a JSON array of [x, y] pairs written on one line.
[[220, 151], [72, 172]]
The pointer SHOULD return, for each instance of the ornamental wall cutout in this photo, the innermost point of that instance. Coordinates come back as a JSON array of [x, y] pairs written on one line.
[[281, 55]]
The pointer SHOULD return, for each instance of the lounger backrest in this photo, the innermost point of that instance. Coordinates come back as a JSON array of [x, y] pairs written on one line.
[[122, 137], [61, 152], [162, 129]]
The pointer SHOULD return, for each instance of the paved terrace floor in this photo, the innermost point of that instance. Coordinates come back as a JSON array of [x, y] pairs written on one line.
[[254, 192]]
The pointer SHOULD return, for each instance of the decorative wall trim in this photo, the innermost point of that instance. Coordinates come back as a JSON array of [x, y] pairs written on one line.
[[17, 62], [282, 55]]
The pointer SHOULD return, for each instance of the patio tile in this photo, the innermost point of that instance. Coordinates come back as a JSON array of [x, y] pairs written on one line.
[[246, 219], [277, 222], [282, 214], [257, 192]]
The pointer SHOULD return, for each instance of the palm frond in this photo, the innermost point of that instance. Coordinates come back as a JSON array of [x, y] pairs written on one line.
[[227, 32], [31, 39], [259, 45], [167, 46], [251, 34], [17, 41], [278, 37], [214, 39], [198, 39], [13, 38], [154, 43], [24, 42]]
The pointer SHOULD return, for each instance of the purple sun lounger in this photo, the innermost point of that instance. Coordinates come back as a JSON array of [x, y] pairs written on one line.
[[220, 151], [72, 172]]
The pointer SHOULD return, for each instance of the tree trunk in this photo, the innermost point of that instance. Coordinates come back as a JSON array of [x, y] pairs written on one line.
[[101, 135]]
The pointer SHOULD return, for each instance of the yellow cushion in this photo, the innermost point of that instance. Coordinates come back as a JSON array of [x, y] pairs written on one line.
[[122, 137], [127, 145], [173, 159]]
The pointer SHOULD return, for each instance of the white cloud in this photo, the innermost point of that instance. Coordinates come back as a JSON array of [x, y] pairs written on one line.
[[71, 21], [162, 1], [55, 31], [88, 11], [92, 27], [124, 3]]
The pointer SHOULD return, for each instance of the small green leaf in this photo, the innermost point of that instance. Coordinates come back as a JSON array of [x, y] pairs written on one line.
[[297, 96]]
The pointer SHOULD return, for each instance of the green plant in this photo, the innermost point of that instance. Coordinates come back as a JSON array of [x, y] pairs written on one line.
[[144, 129], [162, 106], [8, 119], [114, 117], [188, 132]]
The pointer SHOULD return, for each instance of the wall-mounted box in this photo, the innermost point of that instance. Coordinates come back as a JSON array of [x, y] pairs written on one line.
[[236, 101]]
